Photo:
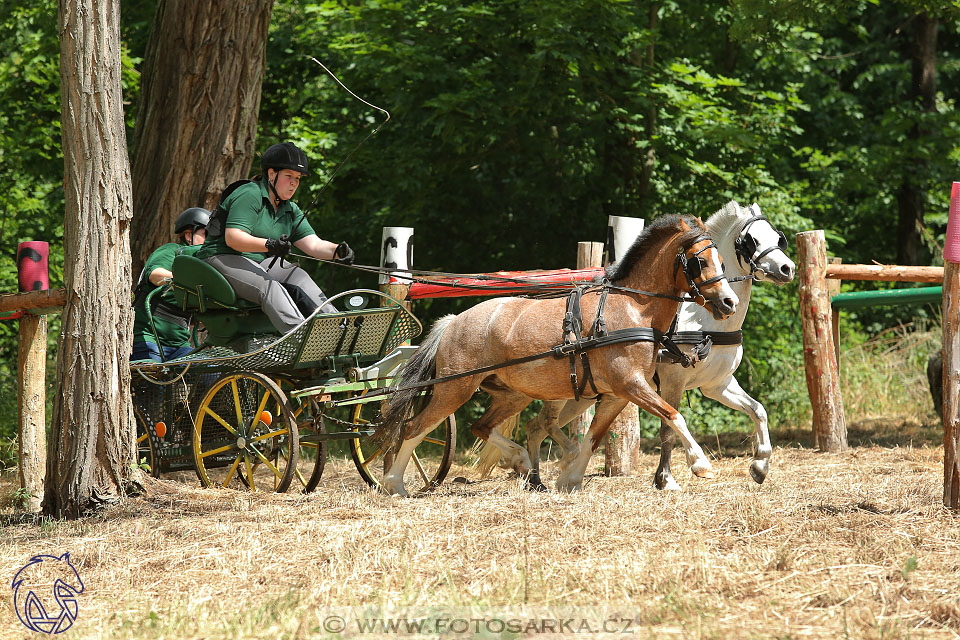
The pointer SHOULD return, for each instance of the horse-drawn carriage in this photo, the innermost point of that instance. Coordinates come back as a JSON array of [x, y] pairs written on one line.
[[251, 409]]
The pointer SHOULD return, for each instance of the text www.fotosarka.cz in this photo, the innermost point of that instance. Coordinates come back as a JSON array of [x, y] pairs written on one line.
[[351, 624]]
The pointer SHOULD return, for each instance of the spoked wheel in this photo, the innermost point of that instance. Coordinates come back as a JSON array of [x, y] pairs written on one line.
[[245, 435], [145, 452], [312, 456], [428, 465]]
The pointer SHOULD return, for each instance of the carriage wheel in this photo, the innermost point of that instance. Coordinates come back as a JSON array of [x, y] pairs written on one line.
[[245, 435], [312, 455], [429, 464], [145, 452]]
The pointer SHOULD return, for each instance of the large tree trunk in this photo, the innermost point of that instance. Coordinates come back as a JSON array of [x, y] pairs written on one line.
[[199, 102], [92, 434], [923, 93]]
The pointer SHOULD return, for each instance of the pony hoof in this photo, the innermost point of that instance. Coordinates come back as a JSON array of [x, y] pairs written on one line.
[[702, 469], [392, 489], [534, 483], [568, 488], [668, 484], [758, 470]]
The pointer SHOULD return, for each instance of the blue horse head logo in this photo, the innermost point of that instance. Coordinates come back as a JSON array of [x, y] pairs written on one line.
[[45, 593]]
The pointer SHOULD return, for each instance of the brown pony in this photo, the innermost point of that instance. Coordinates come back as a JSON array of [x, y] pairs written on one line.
[[673, 256]]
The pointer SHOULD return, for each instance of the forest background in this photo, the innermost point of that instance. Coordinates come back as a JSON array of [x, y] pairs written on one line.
[[518, 127]]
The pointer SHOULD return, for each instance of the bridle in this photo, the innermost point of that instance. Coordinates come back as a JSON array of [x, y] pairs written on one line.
[[693, 267], [746, 245]]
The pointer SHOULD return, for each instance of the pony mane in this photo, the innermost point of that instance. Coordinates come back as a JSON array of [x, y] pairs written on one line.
[[651, 239], [724, 221]]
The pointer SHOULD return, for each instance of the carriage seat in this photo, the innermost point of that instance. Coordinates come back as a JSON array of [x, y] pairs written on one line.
[[200, 287], [227, 319]]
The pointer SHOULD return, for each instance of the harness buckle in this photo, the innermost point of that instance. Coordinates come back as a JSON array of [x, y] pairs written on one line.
[[565, 349]]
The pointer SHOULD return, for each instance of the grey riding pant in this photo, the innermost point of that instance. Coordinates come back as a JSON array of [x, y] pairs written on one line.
[[277, 289]]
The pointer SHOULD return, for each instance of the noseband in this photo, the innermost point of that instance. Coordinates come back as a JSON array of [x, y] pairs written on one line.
[[746, 245]]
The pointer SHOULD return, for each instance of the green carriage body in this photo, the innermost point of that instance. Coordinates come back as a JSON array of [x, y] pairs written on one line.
[[243, 369]]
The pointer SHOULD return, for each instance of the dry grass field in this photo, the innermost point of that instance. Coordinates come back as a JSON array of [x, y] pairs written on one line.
[[852, 545]]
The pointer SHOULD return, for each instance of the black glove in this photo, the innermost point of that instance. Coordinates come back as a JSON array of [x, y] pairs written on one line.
[[279, 247], [343, 254]]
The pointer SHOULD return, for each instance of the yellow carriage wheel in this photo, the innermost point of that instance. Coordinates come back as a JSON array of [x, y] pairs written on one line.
[[312, 454], [428, 465], [145, 453], [245, 435]]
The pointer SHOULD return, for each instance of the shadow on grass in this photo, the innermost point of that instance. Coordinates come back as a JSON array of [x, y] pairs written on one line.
[[880, 432]]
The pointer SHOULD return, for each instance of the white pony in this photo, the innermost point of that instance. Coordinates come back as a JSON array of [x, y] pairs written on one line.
[[751, 248]]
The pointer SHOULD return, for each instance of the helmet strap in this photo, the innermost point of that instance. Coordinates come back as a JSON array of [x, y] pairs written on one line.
[[273, 185]]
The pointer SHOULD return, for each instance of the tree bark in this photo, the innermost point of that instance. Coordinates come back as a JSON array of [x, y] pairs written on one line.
[[923, 93], [197, 121], [92, 433]]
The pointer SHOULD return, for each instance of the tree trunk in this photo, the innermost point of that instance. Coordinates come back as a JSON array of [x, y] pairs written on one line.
[[92, 434], [650, 123], [923, 93], [197, 121]]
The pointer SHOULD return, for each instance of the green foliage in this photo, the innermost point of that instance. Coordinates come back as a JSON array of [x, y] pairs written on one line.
[[517, 127]]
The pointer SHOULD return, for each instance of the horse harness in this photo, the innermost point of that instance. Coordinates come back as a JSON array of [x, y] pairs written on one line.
[[574, 344]]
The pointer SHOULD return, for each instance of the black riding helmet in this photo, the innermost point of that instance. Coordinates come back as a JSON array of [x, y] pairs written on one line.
[[191, 219], [285, 155]]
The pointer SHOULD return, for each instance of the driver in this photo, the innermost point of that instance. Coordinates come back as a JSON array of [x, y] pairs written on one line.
[[253, 229]]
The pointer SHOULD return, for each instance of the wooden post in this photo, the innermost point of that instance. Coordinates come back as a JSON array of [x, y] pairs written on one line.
[[32, 271], [621, 455], [951, 354], [820, 362], [396, 252], [833, 288], [31, 408], [951, 385]]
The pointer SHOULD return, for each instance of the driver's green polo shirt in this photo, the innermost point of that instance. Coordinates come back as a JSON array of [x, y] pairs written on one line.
[[170, 334], [248, 208]]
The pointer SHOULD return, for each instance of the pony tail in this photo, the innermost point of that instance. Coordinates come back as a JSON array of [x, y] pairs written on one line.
[[406, 403]]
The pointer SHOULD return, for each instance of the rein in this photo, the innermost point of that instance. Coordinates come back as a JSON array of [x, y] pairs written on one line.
[[574, 344]]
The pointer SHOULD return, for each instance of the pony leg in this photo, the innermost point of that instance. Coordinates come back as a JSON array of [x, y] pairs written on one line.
[[392, 481], [647, 399], [505, 404], [733, 396], [571, 410], [663, 478], [575, 465], [447, 398], [536, 430]]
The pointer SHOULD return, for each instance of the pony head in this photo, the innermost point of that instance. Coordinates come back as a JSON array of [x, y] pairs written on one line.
[[699, 271], [760, 248]]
